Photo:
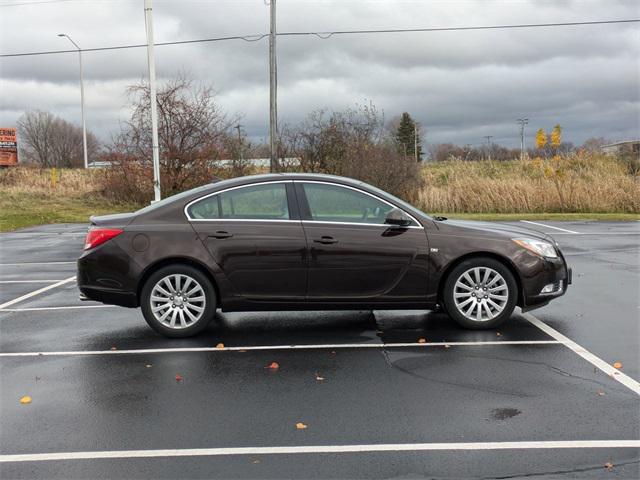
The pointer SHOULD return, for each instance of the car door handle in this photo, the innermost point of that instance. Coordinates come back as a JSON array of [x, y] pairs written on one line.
[[221, 234], [325, 240]]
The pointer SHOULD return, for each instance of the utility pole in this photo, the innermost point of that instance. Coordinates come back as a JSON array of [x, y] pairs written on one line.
[[522, 122], [84, 124], [488, 137], [148, 20], [415, 140], [273, 91], [239, 142]]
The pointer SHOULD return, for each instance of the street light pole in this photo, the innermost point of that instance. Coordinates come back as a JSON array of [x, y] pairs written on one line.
[[148, 20], [273, 90], [84, 124]]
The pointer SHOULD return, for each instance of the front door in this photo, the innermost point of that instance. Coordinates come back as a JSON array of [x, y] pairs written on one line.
[[353, 255], [255, 237]]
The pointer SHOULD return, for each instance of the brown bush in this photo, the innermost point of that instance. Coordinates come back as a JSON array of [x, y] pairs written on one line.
[[352, 143]]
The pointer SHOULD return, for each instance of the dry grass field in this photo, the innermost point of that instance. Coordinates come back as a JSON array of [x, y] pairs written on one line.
[[28, 196], [579, 183], [576, 187]]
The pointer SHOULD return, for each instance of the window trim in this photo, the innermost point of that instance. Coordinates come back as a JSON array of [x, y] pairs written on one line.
[[417, 226], [190, 219]]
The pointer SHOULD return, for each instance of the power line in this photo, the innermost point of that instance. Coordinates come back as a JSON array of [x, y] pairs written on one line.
[[326, 35], [19, 4]]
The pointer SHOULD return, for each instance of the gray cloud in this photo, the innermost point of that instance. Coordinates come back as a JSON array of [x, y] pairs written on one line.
[[460, 85]]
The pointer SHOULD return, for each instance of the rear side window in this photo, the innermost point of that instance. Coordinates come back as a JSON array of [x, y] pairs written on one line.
[[255, 202]]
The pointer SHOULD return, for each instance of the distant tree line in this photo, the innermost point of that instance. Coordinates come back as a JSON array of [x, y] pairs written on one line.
[[50, 141]]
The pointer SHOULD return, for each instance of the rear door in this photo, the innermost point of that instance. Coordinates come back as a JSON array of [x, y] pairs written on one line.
[[353, 255], [254, 234]]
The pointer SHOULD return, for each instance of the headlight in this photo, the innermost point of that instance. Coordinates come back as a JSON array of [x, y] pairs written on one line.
[[539, 247]]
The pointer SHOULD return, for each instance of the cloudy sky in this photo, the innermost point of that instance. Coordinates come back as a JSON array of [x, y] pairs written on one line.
[[459, 85]]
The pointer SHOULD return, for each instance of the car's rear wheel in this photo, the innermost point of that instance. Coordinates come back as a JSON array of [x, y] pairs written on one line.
[[480, 293], [178, 301]]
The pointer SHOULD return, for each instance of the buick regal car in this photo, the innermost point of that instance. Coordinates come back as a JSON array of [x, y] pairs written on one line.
[[311, 242]]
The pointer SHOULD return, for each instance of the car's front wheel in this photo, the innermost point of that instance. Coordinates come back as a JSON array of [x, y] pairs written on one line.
[[480, 293], [178, 301]]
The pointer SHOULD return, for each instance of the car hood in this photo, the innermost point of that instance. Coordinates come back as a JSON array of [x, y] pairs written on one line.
[[493, 229]]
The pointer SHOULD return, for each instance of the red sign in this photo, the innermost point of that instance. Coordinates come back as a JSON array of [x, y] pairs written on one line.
[[8, 147]]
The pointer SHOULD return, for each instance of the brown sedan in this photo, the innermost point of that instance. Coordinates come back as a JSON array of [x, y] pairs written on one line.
[[311, 242]]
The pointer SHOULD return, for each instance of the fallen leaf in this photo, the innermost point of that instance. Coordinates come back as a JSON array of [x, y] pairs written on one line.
[[273, 366], [422, 340], [608, 465], [319, 378], [220, 345], [25, 400], [178, 378], [600, 393], [300, 426], [617, 365]]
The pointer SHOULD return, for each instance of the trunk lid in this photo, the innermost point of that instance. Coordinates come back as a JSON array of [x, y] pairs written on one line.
[[113, 220]]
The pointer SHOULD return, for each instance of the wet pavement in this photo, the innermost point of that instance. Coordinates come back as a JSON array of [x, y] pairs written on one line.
[[439, 397]]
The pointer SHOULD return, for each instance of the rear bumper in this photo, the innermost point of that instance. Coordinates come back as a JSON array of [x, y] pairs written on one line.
[[106, 276], [110, 297]]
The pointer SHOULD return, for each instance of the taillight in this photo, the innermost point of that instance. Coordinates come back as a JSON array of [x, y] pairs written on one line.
[[97, 236]]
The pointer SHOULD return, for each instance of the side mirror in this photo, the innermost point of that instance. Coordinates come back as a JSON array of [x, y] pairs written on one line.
[[398, 218]]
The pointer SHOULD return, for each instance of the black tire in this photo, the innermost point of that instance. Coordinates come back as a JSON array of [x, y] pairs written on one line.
[[193, 328], [449, 288]]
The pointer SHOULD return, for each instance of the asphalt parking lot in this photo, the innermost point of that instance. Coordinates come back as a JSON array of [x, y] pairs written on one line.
[[381, 394]]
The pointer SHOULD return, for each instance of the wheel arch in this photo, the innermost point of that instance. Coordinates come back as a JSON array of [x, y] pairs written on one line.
[[495, 256], [177, 260]]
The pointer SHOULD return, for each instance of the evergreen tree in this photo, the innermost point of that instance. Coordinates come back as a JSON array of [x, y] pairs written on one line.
[[406, 137]]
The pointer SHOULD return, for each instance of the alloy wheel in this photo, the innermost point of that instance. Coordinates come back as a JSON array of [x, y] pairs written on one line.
[[480, 294], [177, 301]]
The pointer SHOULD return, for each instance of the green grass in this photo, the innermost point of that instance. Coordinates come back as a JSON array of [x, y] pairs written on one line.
[[20, 210]]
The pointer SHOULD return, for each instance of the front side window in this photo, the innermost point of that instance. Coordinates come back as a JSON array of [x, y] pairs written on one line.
[[332, 203], [255, 202]]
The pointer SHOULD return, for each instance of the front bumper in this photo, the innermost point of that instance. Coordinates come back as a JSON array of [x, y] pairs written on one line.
[[552, 272]]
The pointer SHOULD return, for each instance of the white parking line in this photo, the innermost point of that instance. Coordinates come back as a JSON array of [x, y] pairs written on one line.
[[613, 372], [43, 309], [597, 233], [331, 346], [36, 292], [550, 226], [48, 234], [288, 450], [8, 282], [35, 263]]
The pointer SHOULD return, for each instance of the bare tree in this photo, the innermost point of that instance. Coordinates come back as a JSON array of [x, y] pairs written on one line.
[[192, 131], [51, 141], [35, 134]]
